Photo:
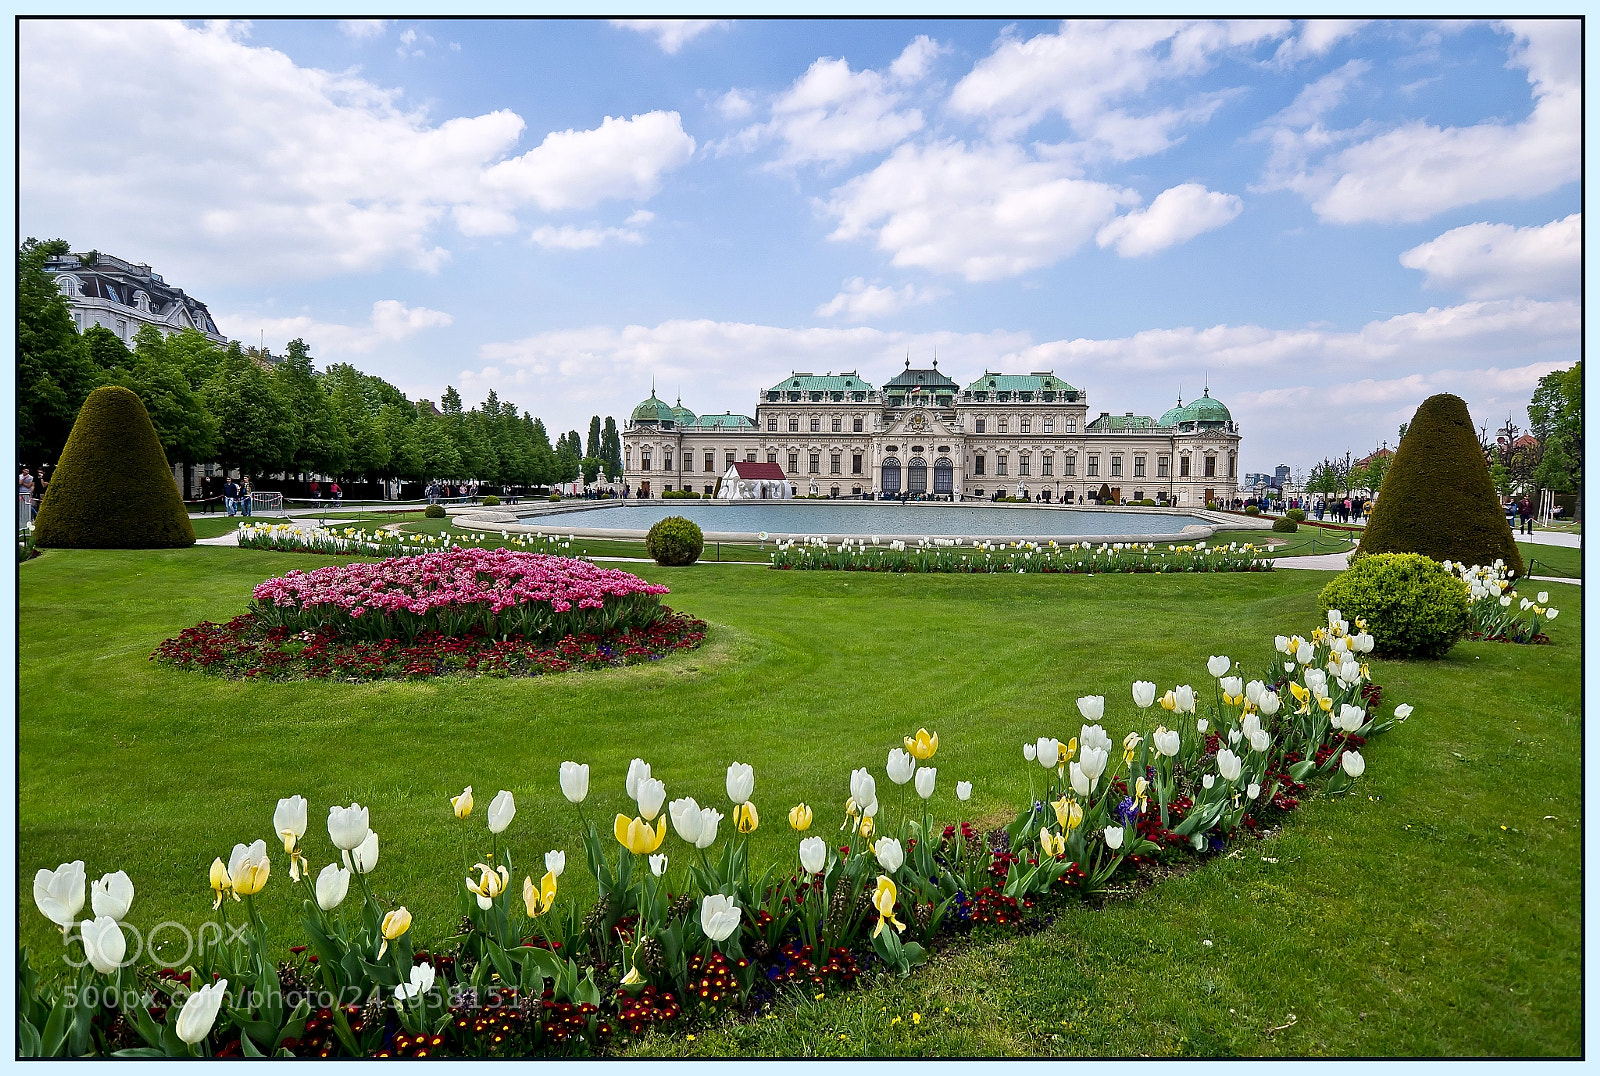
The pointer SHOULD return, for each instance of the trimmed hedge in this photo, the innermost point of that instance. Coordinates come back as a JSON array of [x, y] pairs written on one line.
[[675, 541], [1413, 607], [1437, 497], [1296, 514], [113, 488], [490, 501], [1285, 525], [1251, 510], [433, 511]]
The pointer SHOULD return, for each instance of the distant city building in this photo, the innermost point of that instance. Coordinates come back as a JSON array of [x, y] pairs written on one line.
[[922, 433], [121, 296]]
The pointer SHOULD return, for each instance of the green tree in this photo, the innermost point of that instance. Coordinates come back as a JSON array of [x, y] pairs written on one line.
[[569, 457], [368, 450], [55, 373], [591, 447], [544, 457], [187, 429], [396, 424], [591, 469], [106, 349], [439, 456], [1556, 414], [256, 430], [611, 449], [318, 442]]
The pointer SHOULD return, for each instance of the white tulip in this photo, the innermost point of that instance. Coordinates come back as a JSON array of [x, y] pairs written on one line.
[[863, 789], [1402, 711], [1350, 718], [104, 943], [1316, 680], [1166, 741], [1144, 694], [652, 793], [289, 821], [1281, 644], [638, 769], [709, 817], [1551, 614], [422, 976], [1232, 685], [1253, 692], [1353, 763], [1253, 791], [502, 809], [1030, 751], [1092, 707], [364, 857], [555, 862], [813, 854], [199, 1013], [890, 853], [1093, 760], [1183, 695], [1269, 703], [1229, 765], [925, 778], [112, 895], [60, 893], [686, 818], [1094, 736], [741, 782], [1234, 736], [246, 857], [1334, 616], [1364, 642], [963, 790], [332, 885], [1251, 724], [1505, 600], [1113, 837], [575, 781], [1208, 780], [901, 765], [1305, 653], [347, 826], [1544, 597], [1260, 740], [658, 864], [1080, 781], [1202, 726], [719, 916], [1218, 665]]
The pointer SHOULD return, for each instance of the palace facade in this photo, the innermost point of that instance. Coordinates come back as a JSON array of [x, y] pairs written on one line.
[[923, 434], [123, 296]]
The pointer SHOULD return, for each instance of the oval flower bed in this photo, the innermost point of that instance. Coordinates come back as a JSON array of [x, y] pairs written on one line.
[[689, 932], [472, 611], [991, 557]]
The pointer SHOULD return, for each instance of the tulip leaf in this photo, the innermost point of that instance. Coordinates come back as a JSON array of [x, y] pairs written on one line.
[[587, 993], [138, 1051], [550, 965], [29, 1042], [249, 1048], [1300, 769], [55, 1029], [341, 1028], [297, 1023], [502, 963], [382, 974]]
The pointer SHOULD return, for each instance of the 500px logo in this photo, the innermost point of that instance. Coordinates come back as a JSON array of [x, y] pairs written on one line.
[[168, 943]]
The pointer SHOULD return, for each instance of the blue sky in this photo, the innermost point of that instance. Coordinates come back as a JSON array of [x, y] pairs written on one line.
[[1327, 220]]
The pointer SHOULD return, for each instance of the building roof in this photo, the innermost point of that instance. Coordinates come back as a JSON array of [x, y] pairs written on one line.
[[681, 414], [1121, 422], [929, 379], [109, 278], [1206, 411], [654, 411], [847, 381], [769, 472], [727, 421], [1046, 381]]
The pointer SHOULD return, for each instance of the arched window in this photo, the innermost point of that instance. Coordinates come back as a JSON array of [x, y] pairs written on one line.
[[943, 475], [917, 475], [891, 475]]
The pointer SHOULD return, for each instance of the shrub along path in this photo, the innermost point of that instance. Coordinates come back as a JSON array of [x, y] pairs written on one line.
[[1436, 910]]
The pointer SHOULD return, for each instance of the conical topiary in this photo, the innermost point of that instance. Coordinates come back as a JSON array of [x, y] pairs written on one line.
[[112, 488], [1437, 498]]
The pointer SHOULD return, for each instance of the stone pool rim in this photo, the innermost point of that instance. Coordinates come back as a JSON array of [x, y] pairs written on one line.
[[537, 518]]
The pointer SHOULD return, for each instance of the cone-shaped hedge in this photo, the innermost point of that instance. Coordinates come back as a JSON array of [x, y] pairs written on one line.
[[1437, 498], [113, 488]]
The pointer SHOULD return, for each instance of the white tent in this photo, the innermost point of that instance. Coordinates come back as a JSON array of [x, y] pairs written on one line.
[[754, 482]]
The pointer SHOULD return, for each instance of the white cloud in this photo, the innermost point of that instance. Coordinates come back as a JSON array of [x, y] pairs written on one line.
[[916, 59], [670, 34], [619, 159], [832, 115], [860, 301], [391, 322], [1419, 169], [1316, 37], [985, 212], [568, 237], [735, 105], [362, 29], [292, 171], [1092, 74], [1177, 215], [1492, 261]]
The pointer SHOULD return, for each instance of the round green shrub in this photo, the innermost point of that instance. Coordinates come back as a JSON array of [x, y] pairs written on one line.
[[555, 496], [112, 488], [1211, 506], [1251, 510], [675, 541], [1296, 514], [1147, 503], [434, 511], [490, 501], [1285, 525], [1413, 607]]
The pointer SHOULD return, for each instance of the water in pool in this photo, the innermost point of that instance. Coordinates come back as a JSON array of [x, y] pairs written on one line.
[[868, 518]]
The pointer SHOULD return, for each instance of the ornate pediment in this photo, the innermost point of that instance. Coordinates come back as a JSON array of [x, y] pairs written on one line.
[[920, 422]]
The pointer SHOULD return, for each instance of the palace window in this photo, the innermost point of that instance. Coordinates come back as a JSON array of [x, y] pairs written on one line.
[[794, 424], [729, 457], [1072, 425], [999, 463], [1049, 425], [1094, 467], [833, 462], [711, 461], [816, 463], [1027, 425], [978, 426], [1022, 463], [666, 459], [772, 455], [750, 456], [816, 425], [1071, 465], [855, 463], [794, 462], [837, 424], [1116, 466], [857, 422], [644, 459], [1233, 463], [1049, 467], [772, 424], [1211, 466], [977, 464], [1183, 465], [1003, 424], [1162, 466], [1138, 468], [627, 458]]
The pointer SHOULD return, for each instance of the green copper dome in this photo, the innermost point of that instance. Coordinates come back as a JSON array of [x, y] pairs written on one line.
[[682, 415], [1204, 413], [654, 412], [1205, 409]]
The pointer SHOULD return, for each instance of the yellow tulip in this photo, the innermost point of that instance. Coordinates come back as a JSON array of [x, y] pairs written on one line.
[[395, 924], [866, 828], [219, 882], [1052, 845], [745, 817], [490, 884], [462, 804], [923, 745], [636, 836], [1169, 701], [1326, 702], [883, 900], [800, 818], [539, 900], [1233, 700]]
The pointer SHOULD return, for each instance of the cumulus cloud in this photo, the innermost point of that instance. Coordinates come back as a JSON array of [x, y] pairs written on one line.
[[1418, 169], [1093, 73], [860, 301], [1489, 261], [984, 212], [362, 29], [391, 321], [1314, 37], [735, 105], [671, 34], [299, 172], [1177, 215]]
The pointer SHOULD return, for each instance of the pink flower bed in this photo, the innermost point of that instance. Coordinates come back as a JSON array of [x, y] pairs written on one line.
[[497, 591]]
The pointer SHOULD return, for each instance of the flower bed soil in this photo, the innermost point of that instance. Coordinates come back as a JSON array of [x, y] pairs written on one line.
[[247, 648]]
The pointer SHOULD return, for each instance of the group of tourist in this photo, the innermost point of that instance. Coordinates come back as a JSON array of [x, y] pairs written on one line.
[[335, 493], [30, 492], [238, 496], [1349, 510]]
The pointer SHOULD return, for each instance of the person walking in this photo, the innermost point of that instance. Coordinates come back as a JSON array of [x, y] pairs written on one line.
[[244, 498], [230, 496], [1525, 510], [25, 499], [336, 493]]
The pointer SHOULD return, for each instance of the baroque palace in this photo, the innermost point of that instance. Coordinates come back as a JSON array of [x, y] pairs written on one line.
[[922, 434]]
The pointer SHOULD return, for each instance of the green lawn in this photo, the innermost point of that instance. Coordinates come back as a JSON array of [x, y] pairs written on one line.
[[607, 547], [218, 525], [1307, 541], [1436, 911], [1552, 560]]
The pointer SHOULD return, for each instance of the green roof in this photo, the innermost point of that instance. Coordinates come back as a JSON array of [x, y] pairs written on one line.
[[653, 410], [1206, 410], [845, 382], [1044, 382], [682, 415], [729, 421], [930, 379], [1121, 422]]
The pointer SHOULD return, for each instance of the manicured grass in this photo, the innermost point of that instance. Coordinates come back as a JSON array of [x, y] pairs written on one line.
[[604, 547], [1552, 560], [1437, 910], [218, 525], [1307, 541]]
